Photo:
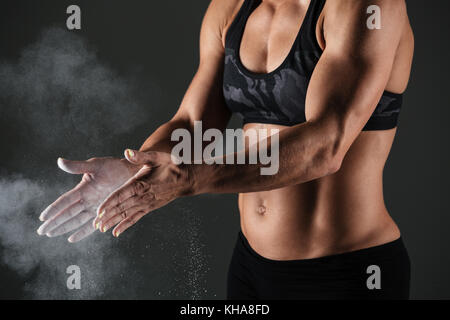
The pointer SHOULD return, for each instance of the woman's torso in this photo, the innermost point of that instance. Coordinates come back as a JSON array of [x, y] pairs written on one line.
[[337, 213]]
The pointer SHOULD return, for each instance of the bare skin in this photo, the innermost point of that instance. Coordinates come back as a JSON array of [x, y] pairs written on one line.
[[341, 212], [327, 197], [75, 210]]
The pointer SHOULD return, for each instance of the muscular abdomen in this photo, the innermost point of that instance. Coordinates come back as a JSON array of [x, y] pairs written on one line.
[[334, 214], [338, 213]]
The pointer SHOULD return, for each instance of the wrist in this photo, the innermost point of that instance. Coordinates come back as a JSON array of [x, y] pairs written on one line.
[[191, 182], [195, 184], [202, 177]]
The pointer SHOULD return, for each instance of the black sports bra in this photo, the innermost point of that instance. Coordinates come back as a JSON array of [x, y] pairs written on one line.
[[278, 97]]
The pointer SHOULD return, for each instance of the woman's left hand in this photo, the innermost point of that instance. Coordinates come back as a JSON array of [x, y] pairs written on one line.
[[156, 184]]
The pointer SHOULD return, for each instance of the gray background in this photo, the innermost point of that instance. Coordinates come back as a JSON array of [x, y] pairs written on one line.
[[183, 251]]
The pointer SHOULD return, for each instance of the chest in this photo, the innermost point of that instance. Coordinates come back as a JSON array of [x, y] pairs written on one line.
[[269, 34], [269, 59]]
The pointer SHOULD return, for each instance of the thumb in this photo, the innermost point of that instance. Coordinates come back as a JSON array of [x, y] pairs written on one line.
[[151, 158], [75, 167]]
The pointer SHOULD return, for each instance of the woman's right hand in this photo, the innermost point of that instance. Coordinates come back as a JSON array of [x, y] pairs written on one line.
[[77, 208]]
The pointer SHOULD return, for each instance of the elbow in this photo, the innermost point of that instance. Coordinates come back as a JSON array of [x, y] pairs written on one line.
[[325, 162], [332, 165], [332, 155], [335, 146]]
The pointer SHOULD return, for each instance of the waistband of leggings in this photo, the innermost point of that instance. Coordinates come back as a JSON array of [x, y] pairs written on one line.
[[391, 250]]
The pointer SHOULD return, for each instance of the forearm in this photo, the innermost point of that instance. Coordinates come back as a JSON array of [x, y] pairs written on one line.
[[160, 140], [306, 152]]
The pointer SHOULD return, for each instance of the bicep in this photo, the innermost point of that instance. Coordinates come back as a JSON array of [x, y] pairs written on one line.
[[353, 71], [204, 101]]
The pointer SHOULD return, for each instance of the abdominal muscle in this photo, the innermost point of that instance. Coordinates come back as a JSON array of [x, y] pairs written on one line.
[[334, 214]]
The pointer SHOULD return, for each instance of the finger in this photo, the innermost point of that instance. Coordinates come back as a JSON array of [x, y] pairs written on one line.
[[60, 204], [110, 213], [76, 167], [151, 158], [138, 157], [105, 226], [66, 214], [133, 218], [130, 189], [127, 223], [71, 224], [82, 233], [115, 198]]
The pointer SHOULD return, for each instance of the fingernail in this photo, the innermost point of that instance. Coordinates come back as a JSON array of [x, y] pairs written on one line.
[[40, 230], [117, 233], [101, 213], [104, 229], [130, 153], [96, 225]]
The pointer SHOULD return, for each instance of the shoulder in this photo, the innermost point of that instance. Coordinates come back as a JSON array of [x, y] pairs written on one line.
[[220, 15], [351, 8], [360, 22], [343, 13]]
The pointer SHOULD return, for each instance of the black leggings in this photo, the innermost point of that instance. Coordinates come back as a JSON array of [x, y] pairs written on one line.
[[380, 272]]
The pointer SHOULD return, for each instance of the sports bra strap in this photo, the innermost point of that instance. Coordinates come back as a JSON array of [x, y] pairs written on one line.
[[232, 37]]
